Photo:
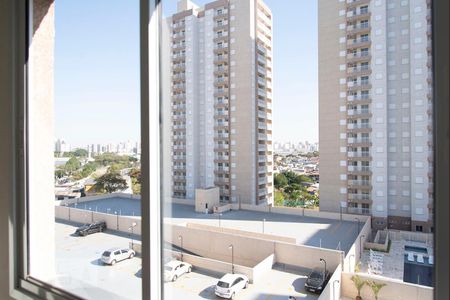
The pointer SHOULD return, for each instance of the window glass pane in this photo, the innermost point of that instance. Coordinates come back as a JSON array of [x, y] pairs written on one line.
[[84, 147], [249, 90]]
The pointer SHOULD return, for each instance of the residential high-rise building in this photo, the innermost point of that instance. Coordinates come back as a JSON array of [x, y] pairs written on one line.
[[375, 108], [221, 95]]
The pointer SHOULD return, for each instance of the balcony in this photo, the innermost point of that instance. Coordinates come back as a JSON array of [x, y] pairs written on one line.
[[220, 70], [221, 92], [219, 125], [179, 147], [363, 141], [178, 57], [358, 43], [221, 103], [178, 77], [220, 37], [358, 15], [358, 210], [360, 28], [359, 99], [179, 107], [221, 169], [359, 57], [359, 113], [179, 157], [178, 36], [179, 137], [359, 71], [220, 81], [359, 85], [221, 147], [179, 67], [179, 167], [180, 117], [360, 184], [221, 136], [360, 197], [355, 3], [220, 59], [221, 14], [179, 97], [363, 170], [356, 154], [221, 158], [178, 87], [220, 25], [222, 48]]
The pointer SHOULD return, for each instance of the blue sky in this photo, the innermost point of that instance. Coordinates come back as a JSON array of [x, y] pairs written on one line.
[[97, 70]]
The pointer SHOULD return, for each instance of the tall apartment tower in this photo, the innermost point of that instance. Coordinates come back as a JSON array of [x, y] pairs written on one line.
[[375, 110], [221, 95]]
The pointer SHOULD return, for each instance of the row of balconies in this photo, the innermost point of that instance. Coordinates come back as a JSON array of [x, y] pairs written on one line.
[[178, 66], [360, 197], [358, 28], [179, 147], [177, 127], [358, 112], [179, 117], [222, 147], [358, 56], [365, 183]]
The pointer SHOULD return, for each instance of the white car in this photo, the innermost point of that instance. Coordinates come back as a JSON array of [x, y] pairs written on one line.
[[230, 284], [111, 256], [175, 268]]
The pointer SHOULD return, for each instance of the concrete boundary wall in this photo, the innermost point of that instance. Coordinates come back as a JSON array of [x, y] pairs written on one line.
[[113, 222], [263, 236], [353, 254], [397, 235], [248, 250], [97, 197], [211, 264], [394, 289], [333, 289], [306, 256]]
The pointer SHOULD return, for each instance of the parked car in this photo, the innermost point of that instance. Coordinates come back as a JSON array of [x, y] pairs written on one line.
[[230, 284], [114, 255], [90, 228], [317, 281], [175, 268]]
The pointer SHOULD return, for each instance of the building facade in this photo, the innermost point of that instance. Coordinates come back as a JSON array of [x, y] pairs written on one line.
[[221, 96], [375, 110]]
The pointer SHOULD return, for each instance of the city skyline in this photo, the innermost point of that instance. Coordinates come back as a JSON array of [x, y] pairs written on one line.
[[106, 102]]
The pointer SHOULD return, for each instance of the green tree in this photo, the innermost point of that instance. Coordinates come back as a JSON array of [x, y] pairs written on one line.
[[280, 181], [135, 175], [72, 165], [279, 198], [80, 153], [111, 182]]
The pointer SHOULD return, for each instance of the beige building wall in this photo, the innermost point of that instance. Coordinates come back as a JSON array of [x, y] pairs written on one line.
[[330, 100]]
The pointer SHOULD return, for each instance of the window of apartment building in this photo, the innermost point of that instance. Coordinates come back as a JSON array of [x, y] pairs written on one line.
[[209, 183]]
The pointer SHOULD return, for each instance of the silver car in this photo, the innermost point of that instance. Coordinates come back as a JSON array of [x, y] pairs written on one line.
[[114, 255]]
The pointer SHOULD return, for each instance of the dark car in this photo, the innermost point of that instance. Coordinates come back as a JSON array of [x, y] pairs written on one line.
[[91, 228], [317, 281]]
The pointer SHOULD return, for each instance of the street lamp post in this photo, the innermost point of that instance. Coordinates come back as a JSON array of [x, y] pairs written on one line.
[[350, 262], [180, 238], [325, 267], [263, 223], [334, 288], [232, 258], [360, 245], [220, 215], [131, 236]]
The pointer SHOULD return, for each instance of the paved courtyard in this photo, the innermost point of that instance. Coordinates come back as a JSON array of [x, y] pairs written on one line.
[[317, 232], [327, 233], [80, 272]]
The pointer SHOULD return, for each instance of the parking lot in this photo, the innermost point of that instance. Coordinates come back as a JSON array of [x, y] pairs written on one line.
[[80, 271], [279, 283]]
